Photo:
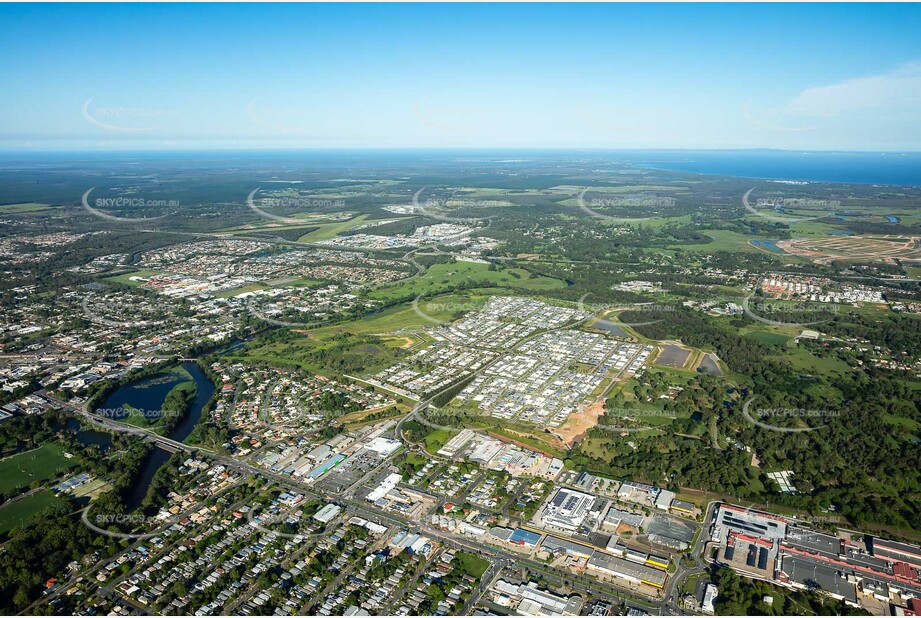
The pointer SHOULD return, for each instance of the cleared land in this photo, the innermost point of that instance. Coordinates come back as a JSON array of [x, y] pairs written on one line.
[[26, 207], [863, 248]]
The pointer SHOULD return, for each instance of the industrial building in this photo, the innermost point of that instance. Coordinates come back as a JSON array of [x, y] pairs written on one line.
[[682, 507], [664, 499]]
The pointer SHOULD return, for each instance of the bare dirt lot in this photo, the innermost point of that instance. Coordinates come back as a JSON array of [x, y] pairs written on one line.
[[580, 421]]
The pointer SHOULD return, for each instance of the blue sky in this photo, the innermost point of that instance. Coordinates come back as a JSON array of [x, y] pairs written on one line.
[[818, 77]]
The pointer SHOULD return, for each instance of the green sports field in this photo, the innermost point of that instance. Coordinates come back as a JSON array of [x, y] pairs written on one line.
[[36, 465], [15, 514]]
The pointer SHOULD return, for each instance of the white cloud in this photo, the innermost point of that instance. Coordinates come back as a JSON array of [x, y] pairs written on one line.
[[899, 89]]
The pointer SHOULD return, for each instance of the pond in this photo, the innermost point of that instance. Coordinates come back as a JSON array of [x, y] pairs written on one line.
[[610, 327], [709, 364], [769, 245], [89, 437]]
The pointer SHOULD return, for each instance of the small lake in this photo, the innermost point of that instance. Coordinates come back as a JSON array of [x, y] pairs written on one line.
[[146, 395], [610, 327], [768, 244], [89, 437]]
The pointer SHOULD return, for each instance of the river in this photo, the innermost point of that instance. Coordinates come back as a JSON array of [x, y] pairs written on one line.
[[149, 394]]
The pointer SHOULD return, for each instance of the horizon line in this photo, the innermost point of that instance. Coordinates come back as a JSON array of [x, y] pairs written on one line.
[[558, 149]]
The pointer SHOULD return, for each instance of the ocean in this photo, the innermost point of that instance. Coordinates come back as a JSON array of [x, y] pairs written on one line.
[[902, 169]]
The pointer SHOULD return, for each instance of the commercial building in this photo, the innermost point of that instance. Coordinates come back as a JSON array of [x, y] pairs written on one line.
[[325, 467], [710, 594], [615, 517], [533, 601], [524, 537], [383, 446], [626, 569], [664, 500], [555, 545], [327, 513], [455, 444], [385, 487], [567, 509]]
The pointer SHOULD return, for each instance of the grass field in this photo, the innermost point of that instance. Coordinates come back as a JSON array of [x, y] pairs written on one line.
[[310, 222], [325, 353], [325, 231], [15, 514], [471, 565], [25, 207], [355, 420], [803, 229], [403, 316], [36, 465], [801, 360], [723, 240], [442, 277], [768, 338], [437, 439]]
